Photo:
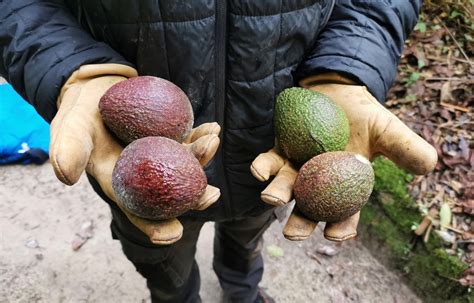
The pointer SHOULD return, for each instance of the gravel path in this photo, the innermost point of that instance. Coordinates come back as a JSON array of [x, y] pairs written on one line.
[[40, 218]]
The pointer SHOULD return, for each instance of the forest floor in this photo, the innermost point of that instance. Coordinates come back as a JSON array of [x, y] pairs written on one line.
[[434, 96]]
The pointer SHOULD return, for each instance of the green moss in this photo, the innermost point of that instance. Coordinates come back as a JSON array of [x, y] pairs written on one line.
[[368, 213], [447, 266], [435, 275], [390, 178], [391, 184], [387, 222]]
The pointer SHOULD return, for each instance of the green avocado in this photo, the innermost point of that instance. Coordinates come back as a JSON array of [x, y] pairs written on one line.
[[308, 123]]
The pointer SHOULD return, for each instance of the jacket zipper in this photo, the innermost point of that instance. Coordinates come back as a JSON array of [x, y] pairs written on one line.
[[220, 98]]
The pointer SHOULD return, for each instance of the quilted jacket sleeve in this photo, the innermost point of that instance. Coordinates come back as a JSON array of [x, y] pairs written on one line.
[[41, 45], [364, 39]]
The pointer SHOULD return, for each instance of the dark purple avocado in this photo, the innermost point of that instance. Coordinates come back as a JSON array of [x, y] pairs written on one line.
[[146, 106], [157, 178]]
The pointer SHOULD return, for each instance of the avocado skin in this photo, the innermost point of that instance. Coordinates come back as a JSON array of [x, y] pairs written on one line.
[[146, 106], [157, 178], [308, 123], [333, 186]]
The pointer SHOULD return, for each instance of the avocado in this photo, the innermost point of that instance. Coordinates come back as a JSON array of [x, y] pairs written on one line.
[[308, 123], [158, 178], [333, 186], [146, 106]]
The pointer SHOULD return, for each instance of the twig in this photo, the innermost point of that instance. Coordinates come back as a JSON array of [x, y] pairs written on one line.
[[454, 125], [453, 229], [448, 58], [443, 125], [399, 101], [465, 241], [454, 39], [457, 107], [425, 223], [444, 79], [314, 257], [441, 60], [461, 60], [428, 233]]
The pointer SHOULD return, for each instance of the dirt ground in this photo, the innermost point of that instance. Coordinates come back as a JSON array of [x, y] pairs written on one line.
[[40, 219]]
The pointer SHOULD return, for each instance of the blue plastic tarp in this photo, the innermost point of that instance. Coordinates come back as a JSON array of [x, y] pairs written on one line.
[[24, 135]]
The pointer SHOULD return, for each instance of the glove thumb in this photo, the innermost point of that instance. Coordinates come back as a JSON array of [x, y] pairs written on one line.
[[71, 141]]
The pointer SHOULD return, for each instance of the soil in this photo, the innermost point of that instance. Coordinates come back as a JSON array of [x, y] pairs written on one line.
[[40, 219]]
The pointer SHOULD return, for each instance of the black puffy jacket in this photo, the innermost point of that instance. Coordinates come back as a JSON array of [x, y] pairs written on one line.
[[231, 58]]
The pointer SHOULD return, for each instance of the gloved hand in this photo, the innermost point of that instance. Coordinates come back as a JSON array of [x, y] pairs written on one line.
[[374, 130], [80, 141]]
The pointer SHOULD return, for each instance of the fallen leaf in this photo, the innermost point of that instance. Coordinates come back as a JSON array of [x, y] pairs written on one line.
[[470, 247], [468, 235], [468, 207], [464, 147], [451, 162], [467, 278], [445, 114], [275, 251], [445, 215], [457, 186]]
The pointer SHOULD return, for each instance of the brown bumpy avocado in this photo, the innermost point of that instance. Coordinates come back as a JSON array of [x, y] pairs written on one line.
[[157, 178], [146, 106], [333, 186]]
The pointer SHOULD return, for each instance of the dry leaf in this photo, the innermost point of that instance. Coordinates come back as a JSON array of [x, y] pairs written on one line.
[[445, 215], [275, 251]]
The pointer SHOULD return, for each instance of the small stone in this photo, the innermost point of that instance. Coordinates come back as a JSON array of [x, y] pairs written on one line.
[[32, 243], [327, 250], [86, 230]]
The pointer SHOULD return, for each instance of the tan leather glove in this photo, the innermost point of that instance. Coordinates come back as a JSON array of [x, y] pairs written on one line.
[[80, 141], [374, 130]]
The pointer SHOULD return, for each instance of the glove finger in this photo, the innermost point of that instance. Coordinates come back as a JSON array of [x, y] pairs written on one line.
[[204, 148], [343, 230], [280, 190], [70, 147], [102, 163], [210, 196], [298, 227], [404, 147], [266, 165], [160, 232], [202, 130]]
